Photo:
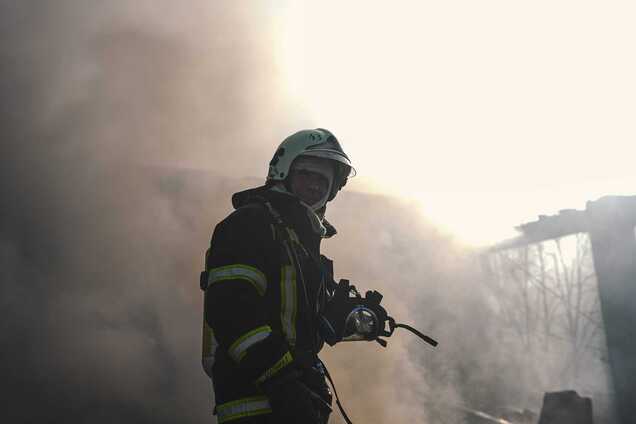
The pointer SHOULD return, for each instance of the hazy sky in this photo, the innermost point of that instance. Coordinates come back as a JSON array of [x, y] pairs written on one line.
[[486, 113]]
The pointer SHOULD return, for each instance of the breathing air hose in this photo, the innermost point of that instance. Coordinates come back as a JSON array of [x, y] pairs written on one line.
[[392, 326], [335, 392]]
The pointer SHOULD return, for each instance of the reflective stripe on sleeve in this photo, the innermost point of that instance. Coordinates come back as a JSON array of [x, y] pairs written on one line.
[[238, 349], [239, 271], [246, 407], [210, 344], [288, 302], [279, 365]]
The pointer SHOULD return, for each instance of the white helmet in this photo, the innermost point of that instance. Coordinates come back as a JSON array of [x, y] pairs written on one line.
[[318, 143]]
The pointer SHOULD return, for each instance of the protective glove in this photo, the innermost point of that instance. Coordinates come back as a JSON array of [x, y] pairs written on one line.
[[314, 378], [292, 402], [332, 321]]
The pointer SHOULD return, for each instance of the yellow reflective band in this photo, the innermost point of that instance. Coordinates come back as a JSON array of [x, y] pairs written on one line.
[[239, 271], [246, 407], [282, 363], [288, 302], [292, 235], [238, 350], [210, 344]]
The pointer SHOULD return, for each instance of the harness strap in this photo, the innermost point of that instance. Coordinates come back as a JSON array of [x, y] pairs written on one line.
[[288, 240]]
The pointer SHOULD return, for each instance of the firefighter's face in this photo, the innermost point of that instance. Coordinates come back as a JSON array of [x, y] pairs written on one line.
[[311, 187], [311, 179]]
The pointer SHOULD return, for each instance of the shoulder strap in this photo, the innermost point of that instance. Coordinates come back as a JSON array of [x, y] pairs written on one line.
[[280, 231]]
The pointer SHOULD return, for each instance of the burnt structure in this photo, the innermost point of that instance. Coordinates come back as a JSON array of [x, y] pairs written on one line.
[[610, 223]]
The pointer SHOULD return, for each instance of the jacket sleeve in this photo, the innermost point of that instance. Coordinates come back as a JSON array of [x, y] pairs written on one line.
[[235, 299]]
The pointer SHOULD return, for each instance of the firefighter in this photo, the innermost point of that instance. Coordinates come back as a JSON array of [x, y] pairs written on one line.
[[266, 285]]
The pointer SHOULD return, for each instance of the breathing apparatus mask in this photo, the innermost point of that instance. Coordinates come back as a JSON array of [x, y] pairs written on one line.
[[350, 317]]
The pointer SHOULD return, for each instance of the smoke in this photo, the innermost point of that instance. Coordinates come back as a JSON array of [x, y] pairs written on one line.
[[438, 286], [427, 281], [103, 229], [99, 252]]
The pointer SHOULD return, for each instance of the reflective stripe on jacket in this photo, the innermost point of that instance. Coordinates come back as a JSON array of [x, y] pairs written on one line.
[[242, 408], [259, 315]]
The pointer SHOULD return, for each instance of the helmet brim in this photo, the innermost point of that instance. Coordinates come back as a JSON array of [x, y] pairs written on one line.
[[332, 155]]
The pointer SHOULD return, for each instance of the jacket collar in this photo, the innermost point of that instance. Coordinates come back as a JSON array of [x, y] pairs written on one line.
[[289, 206]]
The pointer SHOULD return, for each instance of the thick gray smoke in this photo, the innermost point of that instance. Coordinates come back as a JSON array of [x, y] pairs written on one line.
[[102, 235], [431, 283], [100, 255]]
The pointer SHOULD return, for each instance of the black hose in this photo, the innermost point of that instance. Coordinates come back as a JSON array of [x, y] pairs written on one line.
[[424, 337], [335, 392]]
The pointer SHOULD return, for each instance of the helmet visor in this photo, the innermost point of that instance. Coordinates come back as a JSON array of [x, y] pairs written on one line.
[[333, 155]]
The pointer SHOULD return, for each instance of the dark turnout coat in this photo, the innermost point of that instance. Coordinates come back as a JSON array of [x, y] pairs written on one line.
[[265, 285]]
